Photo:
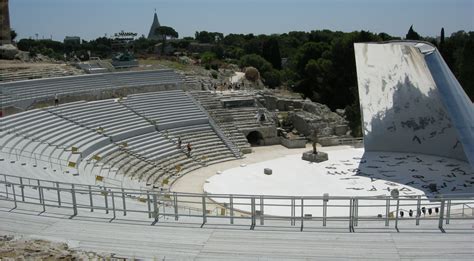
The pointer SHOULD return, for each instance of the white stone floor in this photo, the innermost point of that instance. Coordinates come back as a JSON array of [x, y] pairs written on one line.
[[349, 172]]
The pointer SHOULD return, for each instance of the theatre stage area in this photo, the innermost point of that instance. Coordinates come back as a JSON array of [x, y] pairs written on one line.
[[348, 172]]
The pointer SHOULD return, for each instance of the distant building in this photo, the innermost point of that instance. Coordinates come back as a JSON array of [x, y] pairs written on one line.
[[72, 39], [152, 34]]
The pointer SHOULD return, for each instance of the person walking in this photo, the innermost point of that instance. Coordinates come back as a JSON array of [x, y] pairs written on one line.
[[189, 149], [56, 100], [179, 143]]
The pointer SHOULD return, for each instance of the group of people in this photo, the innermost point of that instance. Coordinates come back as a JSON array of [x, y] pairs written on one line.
[[189, 148], [226, 86]]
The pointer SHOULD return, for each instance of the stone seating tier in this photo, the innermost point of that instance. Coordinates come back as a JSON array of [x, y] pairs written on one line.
[[47, 88]]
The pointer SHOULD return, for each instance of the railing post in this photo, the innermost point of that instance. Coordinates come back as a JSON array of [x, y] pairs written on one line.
[[113, 203], [387, 211], [124, 205], [148, 203], [74, 205], [155, 208], [396, 214], [262, 205], [42, 199], [106, 200], [325, 209], [90, 199], [6, 185], [302, 214], [441, 215], [204, 214], [350, 215], [356, 212], [22, 190], [175, 206], [448, 211], [231, 205], [293, 210], [14, 195], [252, 213], [418, 210], [59, 193], [39, 191]]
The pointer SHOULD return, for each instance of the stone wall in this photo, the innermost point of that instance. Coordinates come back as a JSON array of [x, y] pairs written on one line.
[[269, 134], [307, 116]]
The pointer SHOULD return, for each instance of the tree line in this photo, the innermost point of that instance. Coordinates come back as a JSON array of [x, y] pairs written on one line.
[[319, 64]]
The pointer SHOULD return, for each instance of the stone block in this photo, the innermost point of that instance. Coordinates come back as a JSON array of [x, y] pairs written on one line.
[[267, 171]]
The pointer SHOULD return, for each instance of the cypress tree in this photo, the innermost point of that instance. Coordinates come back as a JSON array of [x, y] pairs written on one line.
[[412, 35]]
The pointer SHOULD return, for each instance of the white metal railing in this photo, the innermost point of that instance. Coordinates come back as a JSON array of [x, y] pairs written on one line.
[[251, 208]]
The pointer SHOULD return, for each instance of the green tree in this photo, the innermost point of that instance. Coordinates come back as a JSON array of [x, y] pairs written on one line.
[[13, 35], [208, 37], [466, 67], [412, 35], [271, 52], [165, 32], [256, 61], [272, 78], [208, 57]]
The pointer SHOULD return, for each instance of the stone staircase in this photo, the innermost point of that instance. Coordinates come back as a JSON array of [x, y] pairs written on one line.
[[223, 117]]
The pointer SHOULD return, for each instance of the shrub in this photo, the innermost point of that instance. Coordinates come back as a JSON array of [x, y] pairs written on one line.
[[252, 74]]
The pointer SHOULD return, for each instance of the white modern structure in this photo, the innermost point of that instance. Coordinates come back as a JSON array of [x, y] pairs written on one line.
[[411, 101]]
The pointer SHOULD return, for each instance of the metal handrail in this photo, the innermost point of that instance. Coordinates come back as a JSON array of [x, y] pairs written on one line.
[[246, 207]]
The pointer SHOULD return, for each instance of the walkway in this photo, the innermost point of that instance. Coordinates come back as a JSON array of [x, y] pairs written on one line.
[[134, 239]]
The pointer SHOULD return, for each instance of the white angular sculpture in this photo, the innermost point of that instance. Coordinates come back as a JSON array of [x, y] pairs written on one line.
[[411, 102]]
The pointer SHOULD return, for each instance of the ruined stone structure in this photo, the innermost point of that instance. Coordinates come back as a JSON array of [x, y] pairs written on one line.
[[4, 23]]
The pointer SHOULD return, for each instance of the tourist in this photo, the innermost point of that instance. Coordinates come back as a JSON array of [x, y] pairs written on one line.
[[179, 143], [56, 100], [189, 149]]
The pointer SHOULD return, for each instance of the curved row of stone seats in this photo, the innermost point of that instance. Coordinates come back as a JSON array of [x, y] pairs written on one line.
[[106, 116], [24, 90], [45, 138], [47, 88], [154, 157], [122, 159], [5, 99], [168, 109], [138, 78], [36, 72], [207, 149]]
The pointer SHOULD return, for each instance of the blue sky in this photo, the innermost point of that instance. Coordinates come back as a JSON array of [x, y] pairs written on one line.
[[90, 19]]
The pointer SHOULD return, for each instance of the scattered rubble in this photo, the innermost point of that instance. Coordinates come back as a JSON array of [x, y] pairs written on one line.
[[12, 248]]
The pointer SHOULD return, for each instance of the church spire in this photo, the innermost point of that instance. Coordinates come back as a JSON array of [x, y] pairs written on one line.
[[152, 34]]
